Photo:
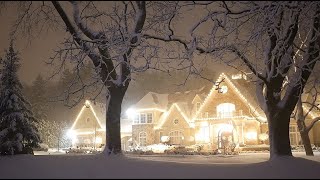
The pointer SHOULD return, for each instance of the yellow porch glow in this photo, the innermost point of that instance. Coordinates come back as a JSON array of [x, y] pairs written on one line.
[[225, 128], [203, 134], [252, 135]]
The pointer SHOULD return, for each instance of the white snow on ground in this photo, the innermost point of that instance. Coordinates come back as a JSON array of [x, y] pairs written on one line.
[[253, 165]]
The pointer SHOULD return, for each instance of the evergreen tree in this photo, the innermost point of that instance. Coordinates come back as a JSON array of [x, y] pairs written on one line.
[[38, 99], [67, 78], [18, 133]]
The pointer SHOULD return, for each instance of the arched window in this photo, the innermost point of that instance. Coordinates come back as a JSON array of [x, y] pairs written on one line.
[[143, 138], [225, 109], [176, 137]]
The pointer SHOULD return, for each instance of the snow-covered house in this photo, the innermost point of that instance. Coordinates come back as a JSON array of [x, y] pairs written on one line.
[[89, 127], [212, 116], [226, 112]]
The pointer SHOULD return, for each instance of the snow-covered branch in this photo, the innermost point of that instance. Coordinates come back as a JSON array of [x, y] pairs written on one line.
[[90, 33]]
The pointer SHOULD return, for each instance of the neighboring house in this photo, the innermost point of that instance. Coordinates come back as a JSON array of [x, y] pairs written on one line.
[[228, 113], [89, 128]]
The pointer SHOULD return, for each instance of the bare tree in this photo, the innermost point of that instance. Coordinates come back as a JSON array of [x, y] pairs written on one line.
[[108, 34], [307, 108], [96, 45]]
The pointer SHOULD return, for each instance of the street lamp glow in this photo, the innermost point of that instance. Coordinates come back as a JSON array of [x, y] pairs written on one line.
[[130, 113], [71, 134]]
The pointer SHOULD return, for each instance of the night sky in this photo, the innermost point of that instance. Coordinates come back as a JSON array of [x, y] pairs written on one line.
[[41, 48], [32, 55]]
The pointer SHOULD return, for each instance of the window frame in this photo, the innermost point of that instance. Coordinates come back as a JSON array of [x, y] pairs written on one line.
[[144, 138], [147, 122], [145, 116], [176, 137], [198, 106], [136, 121]]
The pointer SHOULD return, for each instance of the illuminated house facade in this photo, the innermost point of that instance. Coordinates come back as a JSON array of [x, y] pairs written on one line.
[[211, 116], [89, 129], [227, 112]]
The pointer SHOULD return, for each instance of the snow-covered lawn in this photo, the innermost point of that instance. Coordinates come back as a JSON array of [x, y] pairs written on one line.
[[243, 158], [251, 165]]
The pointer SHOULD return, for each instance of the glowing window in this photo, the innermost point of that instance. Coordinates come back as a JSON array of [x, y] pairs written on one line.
[[176, 137], [252, 135], [160, 135], [136, 119], [225, 109], [143, 138], [149, 118], [295, 138], [203, 134], [143, 118]]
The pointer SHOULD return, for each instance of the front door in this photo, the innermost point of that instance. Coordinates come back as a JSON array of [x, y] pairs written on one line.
[[225, 139]]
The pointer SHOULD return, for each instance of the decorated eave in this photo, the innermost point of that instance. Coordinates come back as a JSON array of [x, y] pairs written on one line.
[[86, 105], [228, 81], [196, 97], [165, 116]]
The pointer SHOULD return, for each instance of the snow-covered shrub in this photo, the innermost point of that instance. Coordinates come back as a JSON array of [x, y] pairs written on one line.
[[42, 147]]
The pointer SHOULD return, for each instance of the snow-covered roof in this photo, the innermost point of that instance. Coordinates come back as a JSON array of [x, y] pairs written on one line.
[[247, 89], [152, 100]]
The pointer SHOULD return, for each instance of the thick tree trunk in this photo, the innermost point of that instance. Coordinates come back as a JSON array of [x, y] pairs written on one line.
[[278, 124], [305, 137], [306, 143], [113, 135]]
